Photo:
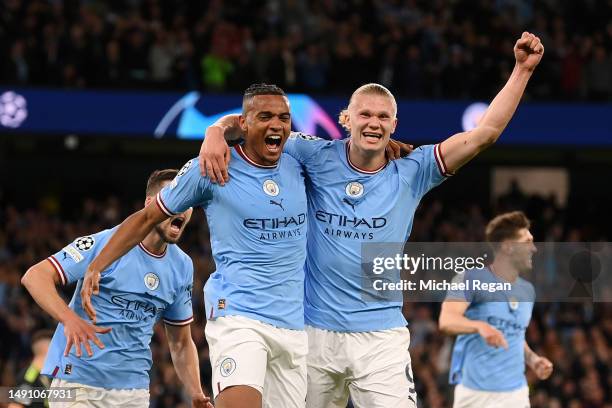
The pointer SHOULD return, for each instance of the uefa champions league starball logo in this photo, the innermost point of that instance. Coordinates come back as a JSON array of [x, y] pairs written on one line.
[[13, 109], [84, 243]]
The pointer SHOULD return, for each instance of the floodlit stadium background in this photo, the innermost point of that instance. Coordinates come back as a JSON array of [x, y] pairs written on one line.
[[98, 80]]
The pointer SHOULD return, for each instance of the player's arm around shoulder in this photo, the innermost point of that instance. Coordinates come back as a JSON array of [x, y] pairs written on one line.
[[215, 155], [463, 147], [306, 148]]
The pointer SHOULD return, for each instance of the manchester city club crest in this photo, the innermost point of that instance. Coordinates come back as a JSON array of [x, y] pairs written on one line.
[[354, 189], [271, 188], [151, 281], [513, 302], [228, 366]]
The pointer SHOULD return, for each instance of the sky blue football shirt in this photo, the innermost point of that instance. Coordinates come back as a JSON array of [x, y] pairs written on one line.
[[258, 227], [348, 207], [136, 291], [474, 363]]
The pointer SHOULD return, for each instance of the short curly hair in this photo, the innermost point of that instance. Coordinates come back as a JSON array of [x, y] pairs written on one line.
[[259, 89]]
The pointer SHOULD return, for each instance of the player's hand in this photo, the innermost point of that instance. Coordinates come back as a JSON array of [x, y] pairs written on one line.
[[91, 286], [542, 367], [492, 336], [80, 332], [201, 401], [528, 51], [215, 156], [396, 150]]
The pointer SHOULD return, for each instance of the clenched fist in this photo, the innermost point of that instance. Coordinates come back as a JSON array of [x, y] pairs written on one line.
[[528, 51]]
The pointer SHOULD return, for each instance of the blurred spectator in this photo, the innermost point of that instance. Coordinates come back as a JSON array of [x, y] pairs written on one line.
[[441, 49], [161, 57], [30, 378], [576, 337], [599, 75]]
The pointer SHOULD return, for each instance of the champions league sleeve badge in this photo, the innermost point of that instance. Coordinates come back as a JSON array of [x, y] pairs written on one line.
[[184, 169], [84, 243]]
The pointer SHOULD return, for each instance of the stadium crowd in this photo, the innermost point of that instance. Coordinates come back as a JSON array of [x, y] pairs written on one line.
[[576, 337], [417, 48]]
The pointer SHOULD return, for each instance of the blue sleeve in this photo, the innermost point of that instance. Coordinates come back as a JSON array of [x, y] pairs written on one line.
[[71, 261], [424, 168], [188, 189], [459, 294], [303, 147], [180, 312]]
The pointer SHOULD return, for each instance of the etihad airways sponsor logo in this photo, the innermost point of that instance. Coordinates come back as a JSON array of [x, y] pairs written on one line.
[[275, 223], [339, 220]]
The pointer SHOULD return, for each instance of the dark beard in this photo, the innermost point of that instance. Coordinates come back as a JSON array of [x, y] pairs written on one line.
[[165, 237]]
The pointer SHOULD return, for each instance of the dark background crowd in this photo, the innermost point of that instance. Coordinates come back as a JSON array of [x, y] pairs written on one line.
[[577, 337], [429, 49], [418, 48]]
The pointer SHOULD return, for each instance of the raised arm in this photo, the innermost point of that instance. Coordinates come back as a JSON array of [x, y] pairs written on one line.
[[41, 281], [186, 363], [463, 147], [131, 231], [215, 152], [452, 321]]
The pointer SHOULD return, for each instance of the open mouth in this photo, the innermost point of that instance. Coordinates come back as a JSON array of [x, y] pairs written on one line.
[[372, 136], [273, 143], [176, 224]]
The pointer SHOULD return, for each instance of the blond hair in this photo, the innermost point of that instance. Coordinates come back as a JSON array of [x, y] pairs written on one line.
[[371, 89]]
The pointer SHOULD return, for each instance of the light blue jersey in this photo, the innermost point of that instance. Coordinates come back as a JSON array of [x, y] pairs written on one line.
[[349, 207], [135, 292], [474, 363], [257, 226]]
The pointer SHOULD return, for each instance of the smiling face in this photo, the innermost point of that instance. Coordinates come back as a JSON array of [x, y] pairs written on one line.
[[266, 121], [371, 121]]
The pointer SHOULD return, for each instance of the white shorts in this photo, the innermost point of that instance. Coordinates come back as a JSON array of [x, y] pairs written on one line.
[[373, 367], [469, 398], [270, 359], [97, 397]]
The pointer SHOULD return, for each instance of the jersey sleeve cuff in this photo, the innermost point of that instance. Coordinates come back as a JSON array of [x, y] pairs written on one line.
[[440, 161], [183, 322], [58, 268], [162, 206]]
